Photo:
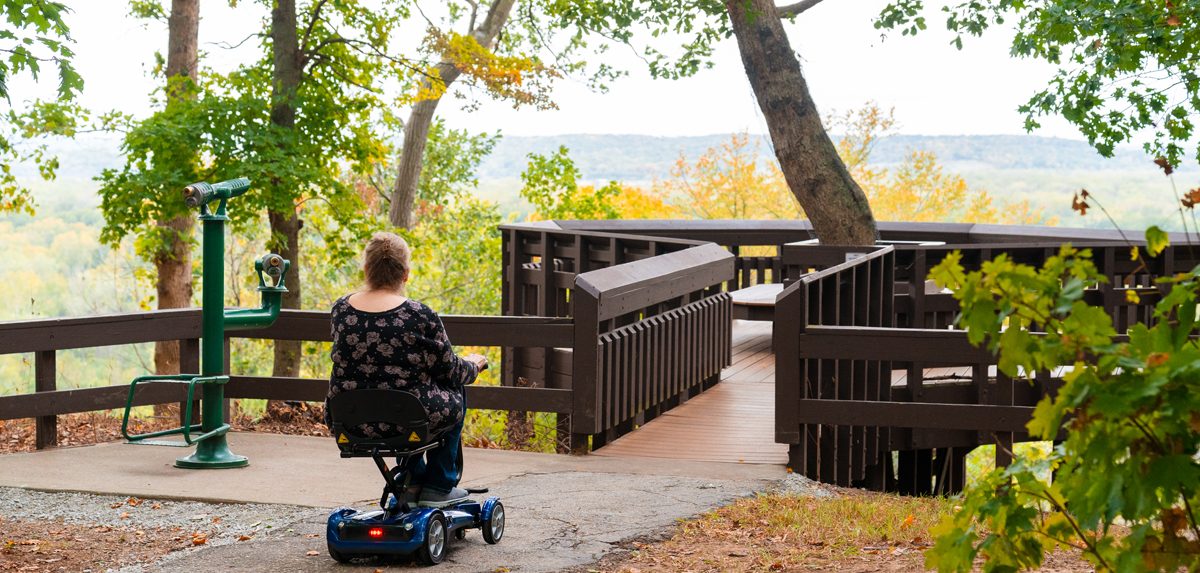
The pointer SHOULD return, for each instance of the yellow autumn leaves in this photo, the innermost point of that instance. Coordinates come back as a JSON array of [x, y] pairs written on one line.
[[740, 180]]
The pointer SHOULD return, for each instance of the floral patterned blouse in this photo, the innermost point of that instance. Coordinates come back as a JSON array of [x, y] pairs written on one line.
[[405, 348]]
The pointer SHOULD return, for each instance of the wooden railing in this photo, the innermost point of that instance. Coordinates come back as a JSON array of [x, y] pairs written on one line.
[[624, 292], [45, 337], [952, 398]]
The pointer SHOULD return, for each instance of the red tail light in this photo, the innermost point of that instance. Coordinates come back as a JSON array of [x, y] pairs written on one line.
[[375, 532]]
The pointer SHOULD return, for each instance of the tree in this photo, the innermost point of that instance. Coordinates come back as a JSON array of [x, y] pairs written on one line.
[[917, 189], [293, 122], [34, 36], [730, 183], [1125, 67], [807, 156], [491, 56], [169, 247]]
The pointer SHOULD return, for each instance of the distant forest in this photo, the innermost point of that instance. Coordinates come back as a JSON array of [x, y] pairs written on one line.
[[642, 157]]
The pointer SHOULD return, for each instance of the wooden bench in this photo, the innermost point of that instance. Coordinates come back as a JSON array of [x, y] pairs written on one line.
[[756, 302]]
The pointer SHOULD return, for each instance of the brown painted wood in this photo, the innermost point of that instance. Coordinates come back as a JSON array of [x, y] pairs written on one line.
[[45, 380]]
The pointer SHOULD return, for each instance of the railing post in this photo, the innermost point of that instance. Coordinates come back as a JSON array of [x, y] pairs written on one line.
[[585, 367], [45, 380]]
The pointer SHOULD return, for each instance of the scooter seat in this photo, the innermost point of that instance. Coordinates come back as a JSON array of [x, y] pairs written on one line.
[[393, 407]]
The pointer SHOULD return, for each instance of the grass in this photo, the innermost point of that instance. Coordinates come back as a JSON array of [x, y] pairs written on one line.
[[844, 524], [779, 533]]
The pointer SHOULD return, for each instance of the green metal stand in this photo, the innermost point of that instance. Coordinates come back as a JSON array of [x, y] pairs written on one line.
[[212, 449]]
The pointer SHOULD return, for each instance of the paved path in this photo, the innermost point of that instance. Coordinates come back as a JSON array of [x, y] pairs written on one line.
[[732, 422], [563, 511]]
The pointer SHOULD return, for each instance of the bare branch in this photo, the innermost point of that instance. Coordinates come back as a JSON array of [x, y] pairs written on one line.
[[316, 15], [474, 13], [228, 46], [797, 8]]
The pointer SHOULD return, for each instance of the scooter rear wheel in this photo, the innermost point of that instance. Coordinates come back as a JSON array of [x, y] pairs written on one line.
[[493, 530], [337, 555], [433, 550]]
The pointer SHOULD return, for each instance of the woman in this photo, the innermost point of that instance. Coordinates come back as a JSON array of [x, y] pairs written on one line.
[[382, 339]]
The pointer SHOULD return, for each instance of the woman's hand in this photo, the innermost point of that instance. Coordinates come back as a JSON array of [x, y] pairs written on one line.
[[479, 361]]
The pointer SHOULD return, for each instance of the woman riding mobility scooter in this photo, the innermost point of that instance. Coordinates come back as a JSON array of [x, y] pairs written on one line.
[[396, 527]]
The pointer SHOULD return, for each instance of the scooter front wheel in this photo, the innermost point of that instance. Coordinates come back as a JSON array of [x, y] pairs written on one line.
[[493, 530]]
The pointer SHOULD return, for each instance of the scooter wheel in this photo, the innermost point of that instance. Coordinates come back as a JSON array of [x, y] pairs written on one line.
[[433, 550], [493, 530], [337, 555]]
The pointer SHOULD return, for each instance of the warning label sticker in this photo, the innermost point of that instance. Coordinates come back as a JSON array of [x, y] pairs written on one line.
[[342, 439], [414, 437]]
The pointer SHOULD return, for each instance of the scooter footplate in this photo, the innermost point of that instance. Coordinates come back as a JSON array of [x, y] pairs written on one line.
[[158, 443]]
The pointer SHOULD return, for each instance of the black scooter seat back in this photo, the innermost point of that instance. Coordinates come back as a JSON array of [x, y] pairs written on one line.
[[394, 407]]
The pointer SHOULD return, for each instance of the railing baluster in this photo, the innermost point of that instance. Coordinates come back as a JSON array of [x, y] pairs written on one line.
[[45, 380]]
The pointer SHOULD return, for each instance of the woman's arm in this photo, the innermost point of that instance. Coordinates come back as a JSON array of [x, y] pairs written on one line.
[[449, 369]]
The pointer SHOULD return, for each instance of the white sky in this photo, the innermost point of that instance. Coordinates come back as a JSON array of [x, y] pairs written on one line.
[[935, 89]]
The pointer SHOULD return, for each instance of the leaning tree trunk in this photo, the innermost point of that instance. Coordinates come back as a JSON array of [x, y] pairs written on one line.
[[816, 175], [174, 261], [286, 224], [416, 130], [416, 135]]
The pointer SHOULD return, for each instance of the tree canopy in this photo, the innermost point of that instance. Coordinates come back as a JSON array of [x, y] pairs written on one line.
[[1124, 67]]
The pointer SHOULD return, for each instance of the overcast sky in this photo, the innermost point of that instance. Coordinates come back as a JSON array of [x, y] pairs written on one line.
[[935, 89]]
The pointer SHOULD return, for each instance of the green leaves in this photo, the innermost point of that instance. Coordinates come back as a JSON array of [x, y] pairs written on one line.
[[551, 186], [1124, 67], [1132, 411]]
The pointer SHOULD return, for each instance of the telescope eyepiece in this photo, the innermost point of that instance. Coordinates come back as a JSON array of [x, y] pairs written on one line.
[[198, 194], [273, 266]]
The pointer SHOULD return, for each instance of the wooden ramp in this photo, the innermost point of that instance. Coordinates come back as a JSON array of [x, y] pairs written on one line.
[[731, 422]]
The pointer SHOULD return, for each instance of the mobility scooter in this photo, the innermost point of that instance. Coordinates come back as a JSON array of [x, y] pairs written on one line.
[[396, 528]]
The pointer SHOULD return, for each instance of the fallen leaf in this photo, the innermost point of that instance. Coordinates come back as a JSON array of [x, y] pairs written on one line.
[[637, 544], [245, 538], [125, 515], [313, 553], [134, 502], [199, 540], [140, 532], [117, 505], [156, 506], [908, 521], [313, 535], [737, 554]]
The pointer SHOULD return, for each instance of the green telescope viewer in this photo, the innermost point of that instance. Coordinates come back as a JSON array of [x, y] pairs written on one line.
[[212, 450]]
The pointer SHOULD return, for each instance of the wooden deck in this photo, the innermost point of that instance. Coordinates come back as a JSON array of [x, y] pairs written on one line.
[[732, 422]]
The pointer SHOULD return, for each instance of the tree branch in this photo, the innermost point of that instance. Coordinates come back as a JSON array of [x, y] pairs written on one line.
[[316, 15], [797, 8]]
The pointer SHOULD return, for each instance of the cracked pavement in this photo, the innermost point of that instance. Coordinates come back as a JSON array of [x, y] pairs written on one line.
[[563, 511], [556, 521]]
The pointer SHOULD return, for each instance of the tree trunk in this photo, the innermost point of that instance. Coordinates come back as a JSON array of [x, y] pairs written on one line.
[[285, 223], [174, 262], [416, 135], [416, 130], [816, 175]]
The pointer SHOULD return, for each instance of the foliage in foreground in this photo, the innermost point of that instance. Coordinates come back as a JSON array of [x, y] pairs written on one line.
[[1125, 481]]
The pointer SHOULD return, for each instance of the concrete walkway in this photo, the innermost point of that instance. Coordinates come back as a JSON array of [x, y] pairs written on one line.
[[563, 511]]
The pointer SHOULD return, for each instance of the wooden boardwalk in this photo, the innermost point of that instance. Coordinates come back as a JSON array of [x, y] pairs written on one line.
[[731, 422]]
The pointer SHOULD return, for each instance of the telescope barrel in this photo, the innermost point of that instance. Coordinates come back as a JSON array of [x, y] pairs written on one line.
[[198, 194], [232, 188]]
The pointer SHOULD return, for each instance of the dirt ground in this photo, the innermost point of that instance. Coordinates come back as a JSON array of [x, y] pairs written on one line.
[[59, 546], [100, 427]]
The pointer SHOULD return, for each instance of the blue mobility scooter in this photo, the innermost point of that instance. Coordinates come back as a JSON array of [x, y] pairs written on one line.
[[395, 528]]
